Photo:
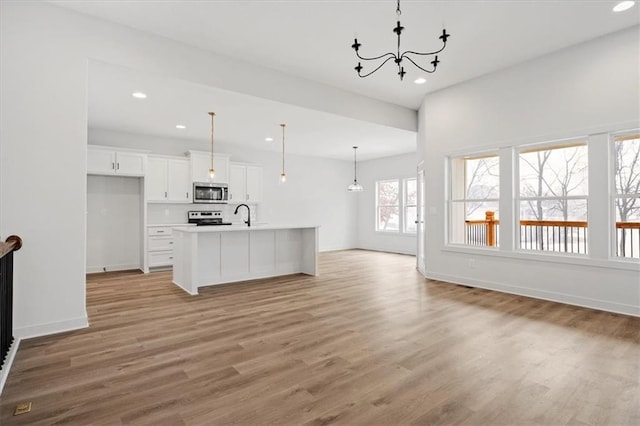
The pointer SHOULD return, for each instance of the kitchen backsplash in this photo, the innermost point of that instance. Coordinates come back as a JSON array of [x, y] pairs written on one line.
[[177, 213]]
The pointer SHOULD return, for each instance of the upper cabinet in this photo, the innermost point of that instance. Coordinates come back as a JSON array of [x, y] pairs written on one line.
[[168, 180], [201, 163], [108, 161], [245, 183]]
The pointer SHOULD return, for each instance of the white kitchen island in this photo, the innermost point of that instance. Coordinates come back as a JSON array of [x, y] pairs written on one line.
[[210, 255]]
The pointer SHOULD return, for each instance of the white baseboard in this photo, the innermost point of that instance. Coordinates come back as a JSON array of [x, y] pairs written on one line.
[[50, 328], [4, 373], [113, 268], [569, 299], [386, 250]]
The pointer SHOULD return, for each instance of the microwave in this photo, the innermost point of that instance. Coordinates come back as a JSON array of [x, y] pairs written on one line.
[[210, 193]]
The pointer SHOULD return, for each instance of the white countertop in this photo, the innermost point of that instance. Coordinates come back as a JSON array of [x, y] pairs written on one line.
[[233, 228], [170, 225]]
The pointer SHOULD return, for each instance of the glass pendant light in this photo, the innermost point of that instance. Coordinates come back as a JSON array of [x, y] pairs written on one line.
[[283, 175], [355, 186], [212, 172]]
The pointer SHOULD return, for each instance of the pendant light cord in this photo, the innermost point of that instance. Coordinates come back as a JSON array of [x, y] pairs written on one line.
[[283, 126], [355, 162], [212, 114]]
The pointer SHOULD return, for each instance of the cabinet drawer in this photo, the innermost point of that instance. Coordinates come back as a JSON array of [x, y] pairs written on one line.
[[159, 230], [160, 242], [160, 258]]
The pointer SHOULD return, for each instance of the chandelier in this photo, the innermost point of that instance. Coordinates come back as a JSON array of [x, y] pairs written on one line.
[[399, 57]]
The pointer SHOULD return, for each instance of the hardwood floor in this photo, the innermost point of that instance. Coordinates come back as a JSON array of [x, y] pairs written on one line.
[[369, 341]]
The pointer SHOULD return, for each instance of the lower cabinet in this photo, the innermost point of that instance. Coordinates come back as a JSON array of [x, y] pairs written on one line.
[[159, 246]]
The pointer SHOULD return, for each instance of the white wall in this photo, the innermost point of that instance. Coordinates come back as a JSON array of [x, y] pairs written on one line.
[[113, 223], [44, 52], [587, 89], [315, 191], [396, 167]]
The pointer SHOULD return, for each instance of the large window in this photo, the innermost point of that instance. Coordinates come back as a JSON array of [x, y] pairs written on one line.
[[396, 205], [553, 197], [473, 200], [626, 154]]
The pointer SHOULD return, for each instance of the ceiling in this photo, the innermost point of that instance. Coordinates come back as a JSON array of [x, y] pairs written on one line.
[[312, 38], [240, 119]]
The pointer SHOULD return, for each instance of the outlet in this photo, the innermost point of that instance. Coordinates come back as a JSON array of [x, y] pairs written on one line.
[[472, 264], [166, 212]]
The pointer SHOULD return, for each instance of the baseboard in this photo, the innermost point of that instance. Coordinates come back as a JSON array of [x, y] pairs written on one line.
[[113, 268], [51, 328], [4, 373], [339, 248], [384, 250], [569, 299]]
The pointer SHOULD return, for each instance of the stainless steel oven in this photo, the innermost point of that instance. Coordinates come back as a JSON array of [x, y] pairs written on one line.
[[210, 193]]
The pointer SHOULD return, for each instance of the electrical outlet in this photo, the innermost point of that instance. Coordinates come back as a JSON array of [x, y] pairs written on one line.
[[472, 264]]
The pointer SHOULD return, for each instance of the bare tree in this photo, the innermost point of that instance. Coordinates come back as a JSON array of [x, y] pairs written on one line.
[[482, 182], [627, 182]]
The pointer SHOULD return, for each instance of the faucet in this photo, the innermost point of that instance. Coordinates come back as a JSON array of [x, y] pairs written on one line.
[[248, 221]]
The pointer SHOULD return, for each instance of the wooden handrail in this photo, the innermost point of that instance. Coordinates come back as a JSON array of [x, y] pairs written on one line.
[[13, 243], [574, 224]]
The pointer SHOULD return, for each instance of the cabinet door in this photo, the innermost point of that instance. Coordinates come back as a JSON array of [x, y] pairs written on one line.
[[101, 161], [200, 168], [130, 163], [254, 184], [156, 179], [221, 165], [178, 181], [236, 184]]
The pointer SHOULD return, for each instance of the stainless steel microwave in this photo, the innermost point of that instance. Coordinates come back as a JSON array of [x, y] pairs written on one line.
[[210, 193]]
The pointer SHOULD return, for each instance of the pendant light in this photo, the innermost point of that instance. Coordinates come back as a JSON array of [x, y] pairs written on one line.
[[283, 175], [212, 172], [355, 186]]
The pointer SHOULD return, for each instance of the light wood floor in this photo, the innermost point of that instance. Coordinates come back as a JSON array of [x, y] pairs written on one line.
[[367, 342]]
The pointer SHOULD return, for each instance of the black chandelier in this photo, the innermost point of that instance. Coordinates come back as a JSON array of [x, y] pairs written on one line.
[[398, 57]]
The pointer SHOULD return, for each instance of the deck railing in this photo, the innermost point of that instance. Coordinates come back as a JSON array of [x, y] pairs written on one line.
[[7, 248], [552, 235]]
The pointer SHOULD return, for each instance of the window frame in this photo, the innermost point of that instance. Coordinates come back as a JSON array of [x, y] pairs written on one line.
[[613, 232], [518, 198], [451, 200], [406, 205], [402, 196]]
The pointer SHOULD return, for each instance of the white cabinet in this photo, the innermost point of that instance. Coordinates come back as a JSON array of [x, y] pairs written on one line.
[[201, 163], [108, 161], [245, 183], [160, 246], [168, 180]]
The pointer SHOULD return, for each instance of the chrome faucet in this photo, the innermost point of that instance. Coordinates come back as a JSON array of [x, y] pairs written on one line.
[[248, 221]]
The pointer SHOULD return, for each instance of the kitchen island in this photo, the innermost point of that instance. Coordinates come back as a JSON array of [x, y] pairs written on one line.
[[210, 255]]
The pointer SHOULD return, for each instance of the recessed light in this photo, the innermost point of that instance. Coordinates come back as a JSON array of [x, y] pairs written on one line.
[[268, 139], [180, 126], [623, 5], [420, 80], [139, 95]]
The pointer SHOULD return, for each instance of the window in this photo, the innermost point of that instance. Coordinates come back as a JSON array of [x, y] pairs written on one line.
[[473, 200], [627, 194], [410, 205], [553, 198], [396, 205], [388, 205]]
